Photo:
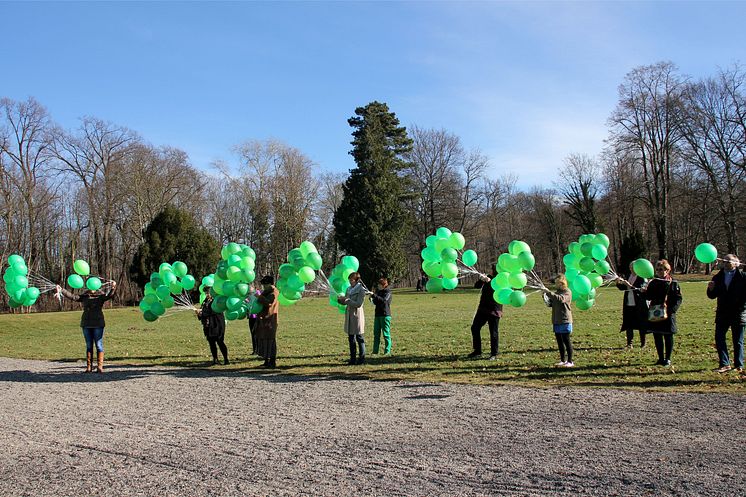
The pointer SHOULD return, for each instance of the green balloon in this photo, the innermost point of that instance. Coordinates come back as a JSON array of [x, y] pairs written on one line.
[[448, 255], [599, 252], [581, 284], [20, 281], [584, 305], [162, 292], [502, 280], [93, 283], [643, 268], [433, 269], [286, 271], [517, 246], [351, 262], [157, 309], [449, 283], [587, 264], [248, 275], [188, 282], [469, 258], [180, 269], [442, 244], [434, 285], [307, 247], [234, 274], [517, 298], [314, 261], [602, 267], [208, 280], [457, 241], [596, 280], [241, 290], [233, 303], [32, 293], [509, 263], [164, 268], [443, 232], [587, 249], [430, 254], [20, 268], [15, 259], [527, 260], [149, 316], [602, 239], [150, 300], [247, 263], [168, 302], [175, 288], [306, 274], [284, 301], [430, 241], [706, 253], [144, 306], [518, 280], [449, 270], [81, 267], [502, 296], [75, 281]]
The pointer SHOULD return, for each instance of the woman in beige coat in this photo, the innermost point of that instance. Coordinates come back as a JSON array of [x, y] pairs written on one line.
[[355, 316]]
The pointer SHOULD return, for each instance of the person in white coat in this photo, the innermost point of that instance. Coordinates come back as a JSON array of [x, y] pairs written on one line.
[[355, 317]]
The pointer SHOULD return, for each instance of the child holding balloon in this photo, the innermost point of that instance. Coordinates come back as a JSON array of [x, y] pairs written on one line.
[[92, 321], [560, 302]]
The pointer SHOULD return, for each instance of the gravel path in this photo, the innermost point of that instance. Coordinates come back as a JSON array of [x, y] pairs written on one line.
[[169, 431]]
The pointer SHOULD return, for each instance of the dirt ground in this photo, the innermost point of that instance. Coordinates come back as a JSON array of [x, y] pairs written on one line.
[[141, 431]]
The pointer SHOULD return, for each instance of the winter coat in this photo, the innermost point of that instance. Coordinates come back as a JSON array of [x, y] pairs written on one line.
[[266, 324], [93, 307], [655, 293], [213, 323], [382, 301], [635, 316], [354, 314], [560, 301], [731, 307], [487, 304]]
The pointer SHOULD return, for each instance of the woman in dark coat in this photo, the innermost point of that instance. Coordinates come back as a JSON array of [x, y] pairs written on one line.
[[213, 325], [92, 322], [266, 324], [663, 290], [634, 309]]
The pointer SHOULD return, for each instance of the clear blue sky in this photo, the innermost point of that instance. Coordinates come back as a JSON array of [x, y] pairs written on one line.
[[526, 82]]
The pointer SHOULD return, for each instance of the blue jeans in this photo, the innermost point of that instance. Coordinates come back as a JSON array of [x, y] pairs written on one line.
[[721, 328], [92, 335]]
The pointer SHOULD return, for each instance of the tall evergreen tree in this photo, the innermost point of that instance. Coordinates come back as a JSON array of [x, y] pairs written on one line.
[[174, 235], [371, 222]]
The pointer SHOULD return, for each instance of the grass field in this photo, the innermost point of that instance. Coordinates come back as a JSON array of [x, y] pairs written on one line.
[[431, 339]]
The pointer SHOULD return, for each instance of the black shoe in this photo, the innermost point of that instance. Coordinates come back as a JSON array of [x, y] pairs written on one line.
[[225, 362], [667, 362], [474, 354], [361, 360], [351, 362], [215, 361], [660, 362]]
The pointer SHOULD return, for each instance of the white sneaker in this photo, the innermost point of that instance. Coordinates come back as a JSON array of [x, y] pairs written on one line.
[[569, 364], [561, 363]]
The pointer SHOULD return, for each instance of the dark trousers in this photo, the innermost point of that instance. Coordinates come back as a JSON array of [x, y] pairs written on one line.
[[252, 327], [565, 346], [631, 335], [663, 345], [216, 342], [480, 318], [360, 339], [721, 328]]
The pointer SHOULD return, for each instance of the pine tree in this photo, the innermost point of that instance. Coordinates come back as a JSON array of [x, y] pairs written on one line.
[[174, 235], [371, 222]]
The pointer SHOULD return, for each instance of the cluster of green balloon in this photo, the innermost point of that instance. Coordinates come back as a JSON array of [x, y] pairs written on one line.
[[339, 280], [440, 259], [706, 253], [170, 280], [585, 265], [82, 277], [207, 282], [299, 271], [231, 282], [643, 268], [511, 277], [17, 285]]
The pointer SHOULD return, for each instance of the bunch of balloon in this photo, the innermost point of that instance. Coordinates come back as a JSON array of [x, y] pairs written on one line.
[[706, 253], [82, 277], [231, 283], [515, 271], [168, 289], [586, 266], [16, 278], [441, 258], [339, 280], [299, 271]]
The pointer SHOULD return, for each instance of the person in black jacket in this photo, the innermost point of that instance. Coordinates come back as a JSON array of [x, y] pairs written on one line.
[[382, 321], [92, 322], [213, 325], [634, 309], [728, 286], [489, 312], [663, 291]]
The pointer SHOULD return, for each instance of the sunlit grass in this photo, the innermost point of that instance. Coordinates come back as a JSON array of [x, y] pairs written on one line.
[[431, 339]]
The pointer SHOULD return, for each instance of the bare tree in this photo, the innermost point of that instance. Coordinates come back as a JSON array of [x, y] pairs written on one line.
[[646, 123], [579, 187]]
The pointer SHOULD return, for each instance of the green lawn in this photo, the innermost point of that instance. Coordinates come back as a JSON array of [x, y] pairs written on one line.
[[431, 339]]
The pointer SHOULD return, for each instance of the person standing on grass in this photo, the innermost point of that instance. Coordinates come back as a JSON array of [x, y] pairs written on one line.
[[488, 312], [354, 324], [92, 322], [267, 320], [382, 321], [213, 326], [728, 286], [662, 291], [634, 309], [560, 302]]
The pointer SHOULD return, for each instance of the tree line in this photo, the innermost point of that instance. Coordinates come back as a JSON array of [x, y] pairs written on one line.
[[671, 175]]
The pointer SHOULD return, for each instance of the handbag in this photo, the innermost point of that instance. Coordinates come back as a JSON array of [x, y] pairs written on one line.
[[658, 312]]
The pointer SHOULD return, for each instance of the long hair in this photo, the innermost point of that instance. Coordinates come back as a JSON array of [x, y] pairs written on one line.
[[561, 282]]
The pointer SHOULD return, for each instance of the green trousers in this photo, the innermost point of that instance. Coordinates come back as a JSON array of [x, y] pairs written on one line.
[[382, 326]]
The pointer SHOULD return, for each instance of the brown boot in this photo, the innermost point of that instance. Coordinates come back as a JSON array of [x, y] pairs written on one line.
[[100, 368], [88, 361]]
